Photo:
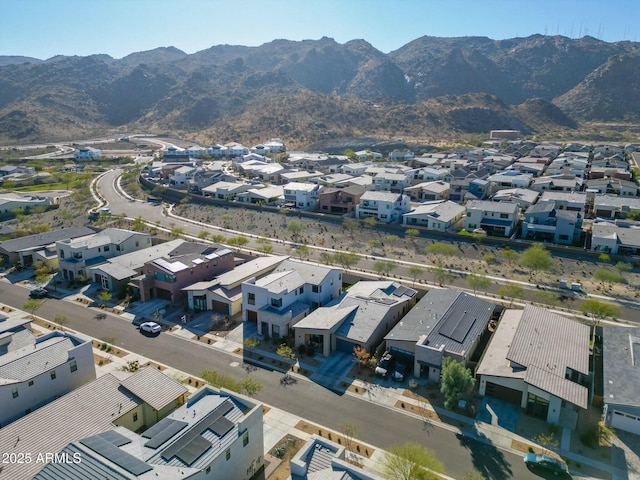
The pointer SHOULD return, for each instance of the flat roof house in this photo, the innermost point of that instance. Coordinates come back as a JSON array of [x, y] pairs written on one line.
[[216, 434], [385, 207], [495, 218], [439, 215], [444, 323], [339, 200], [539, 360], [618, 237], [621, 372]]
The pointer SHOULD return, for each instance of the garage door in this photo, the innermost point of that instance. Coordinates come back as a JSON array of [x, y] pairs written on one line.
[[344, 346], [220, 307], [626, 422], [503, 393]]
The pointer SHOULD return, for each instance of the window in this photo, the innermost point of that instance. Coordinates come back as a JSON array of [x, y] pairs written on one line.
[[135, 416], [73, 366], [53, 375], [14, 392], [504, 215], [77, 254], [61, 253], [251, 298], [30, 383], [228, 453], [245, 438], [301, 290], [276, 302], [164, 277], [106, 248], [314, 288], [208, 469]]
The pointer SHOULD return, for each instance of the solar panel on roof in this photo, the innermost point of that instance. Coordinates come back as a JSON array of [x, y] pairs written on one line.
[[158, 427], [165, 434], [115, 438], [400, 291], [114, 454], [456, 328], [193, 450], [221, 426]]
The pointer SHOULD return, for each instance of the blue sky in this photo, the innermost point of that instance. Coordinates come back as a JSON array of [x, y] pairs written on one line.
[[44, 28]]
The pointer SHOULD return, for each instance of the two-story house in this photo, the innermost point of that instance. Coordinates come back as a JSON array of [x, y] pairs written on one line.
[[385, 207], [391, 182], [301, 195], [277, 301], [339, 200], [495, 218], [36, 370], [544, 221], [438, 215], [76, 254], [428, 191]]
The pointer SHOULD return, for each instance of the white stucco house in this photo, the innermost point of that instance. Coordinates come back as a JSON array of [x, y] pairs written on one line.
[[495, 218], [439, 215], [385, 207]]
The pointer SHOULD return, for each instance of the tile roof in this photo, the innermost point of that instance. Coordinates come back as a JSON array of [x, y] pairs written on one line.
[[42, 239], [35, 359], [154, 387]]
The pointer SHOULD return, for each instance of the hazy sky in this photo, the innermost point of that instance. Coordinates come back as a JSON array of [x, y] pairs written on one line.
[[44, 28]]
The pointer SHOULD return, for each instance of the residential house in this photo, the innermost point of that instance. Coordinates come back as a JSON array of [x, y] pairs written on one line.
[[428, 191], [339, 200], [217, 151], [320, 458], [460, 181], [391, 182], [88, 152], [165, 277], [385, 207], [620, 353], [534, 168], [361, 317], [621, 173], [539, 360], [368, 155], [127, 271], [35, 370], [136, 402], [228, 190], [509, 179], [182, 175], [495, 218], [301, 195], [276, 302], [332, 180], [217, 434], [12, 201], [235, 150], [558, 183], [444, 323], [617, 237], [504, 134], [544, 222], [440, 215], [301, 176], [613, 186], [223, 294], [429, 174], [271, 195], [275, 145], [8, 170], [38, 247], [399, 155], [614, 207], [523, 197], [76, 254], [572, 201], [355, 169], [195, 151]]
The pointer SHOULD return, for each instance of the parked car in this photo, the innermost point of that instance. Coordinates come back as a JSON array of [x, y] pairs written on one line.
[[38, 293], [385, 364], [150, 327], [546, 462], [399, 373]]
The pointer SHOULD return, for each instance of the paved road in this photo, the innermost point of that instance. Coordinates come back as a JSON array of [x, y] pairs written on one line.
[[377, 424]]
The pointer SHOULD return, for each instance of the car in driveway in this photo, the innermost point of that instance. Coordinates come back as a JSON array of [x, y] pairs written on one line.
[[547, 463], [150, 327], [400, 373], [385, 364], [38, 293]]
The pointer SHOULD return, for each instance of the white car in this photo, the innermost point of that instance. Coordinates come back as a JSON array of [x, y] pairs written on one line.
[[150, 327]]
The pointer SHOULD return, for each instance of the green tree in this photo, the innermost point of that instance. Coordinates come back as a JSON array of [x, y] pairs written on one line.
[[220, 380], [384, 267], [510, 256], [218, 237], [177, 231], [138, 225], [599, 310], [287, 354], [374, 243], [512, 291], [536, 258], [392, 240], [61, 319], [238, 241], [478, 282], [105, 297], [251, 343], [607, 277], [441, 249], [203, 235], [31, 306], [349, 153], [295, 228], [547, 298], [412, 233], [303, 251], [346, 259], [250, 386], [370, 222], [440, 274], [410, 461], [457, 382], [266, 249], [604, 257], [415, 271], [633, 215], [624, 267], [350, 225], [326, 258]]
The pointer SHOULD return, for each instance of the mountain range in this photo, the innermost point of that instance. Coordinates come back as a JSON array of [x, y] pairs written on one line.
[[319, 91]]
